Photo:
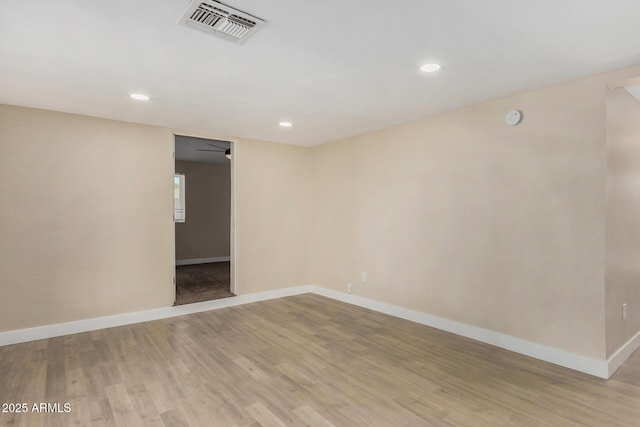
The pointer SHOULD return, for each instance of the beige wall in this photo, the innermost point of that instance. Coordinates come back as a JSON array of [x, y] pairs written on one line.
[[87, 216], [274, 215], [623, 217], [205, 233], [466, 218], [85, 222]]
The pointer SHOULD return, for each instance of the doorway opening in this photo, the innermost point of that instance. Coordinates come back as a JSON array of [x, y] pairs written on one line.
[[204, 217]]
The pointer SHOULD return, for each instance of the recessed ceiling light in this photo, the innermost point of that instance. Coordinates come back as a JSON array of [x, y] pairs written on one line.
[[286, 124], [139, 97], [430, 68]]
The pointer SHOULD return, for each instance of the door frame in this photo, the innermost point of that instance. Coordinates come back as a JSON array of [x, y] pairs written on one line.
[[233, 245]]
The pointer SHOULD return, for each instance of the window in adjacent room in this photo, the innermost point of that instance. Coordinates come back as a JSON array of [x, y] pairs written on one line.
[[178, 198]]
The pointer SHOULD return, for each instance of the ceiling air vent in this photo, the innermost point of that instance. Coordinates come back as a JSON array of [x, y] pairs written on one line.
[[220, 20]]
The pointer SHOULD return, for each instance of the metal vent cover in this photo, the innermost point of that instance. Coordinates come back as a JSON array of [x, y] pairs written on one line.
[[220, 20]]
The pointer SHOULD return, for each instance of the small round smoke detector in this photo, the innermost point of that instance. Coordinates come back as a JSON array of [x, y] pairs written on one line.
[[513, 117]]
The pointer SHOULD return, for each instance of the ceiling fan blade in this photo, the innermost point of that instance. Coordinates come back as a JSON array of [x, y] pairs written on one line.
[[213, 145]]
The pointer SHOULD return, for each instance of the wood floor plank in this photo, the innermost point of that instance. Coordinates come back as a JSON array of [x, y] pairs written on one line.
[[174, 418], [101, 412], [144, 405], [296, 361], [311, 417], [264, 416], [80, 414], [122, 406]]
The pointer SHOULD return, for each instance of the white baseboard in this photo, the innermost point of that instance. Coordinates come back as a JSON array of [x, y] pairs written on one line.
[[623, 353], [202, 260], [59, 329], [598, 368]]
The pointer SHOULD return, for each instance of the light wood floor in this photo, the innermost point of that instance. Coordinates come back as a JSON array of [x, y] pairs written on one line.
[[303, 360]]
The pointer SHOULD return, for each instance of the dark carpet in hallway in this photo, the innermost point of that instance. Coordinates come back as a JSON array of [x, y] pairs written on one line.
[[202, 282]]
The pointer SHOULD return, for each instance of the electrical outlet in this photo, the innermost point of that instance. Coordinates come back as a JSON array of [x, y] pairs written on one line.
[[349, 288], [625, 311], [363, 276]]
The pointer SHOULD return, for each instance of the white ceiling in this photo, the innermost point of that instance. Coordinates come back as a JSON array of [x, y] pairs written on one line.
[[334, 68]]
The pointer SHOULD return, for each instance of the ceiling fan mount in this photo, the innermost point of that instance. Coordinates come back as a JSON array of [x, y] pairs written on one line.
[[226, 151]]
